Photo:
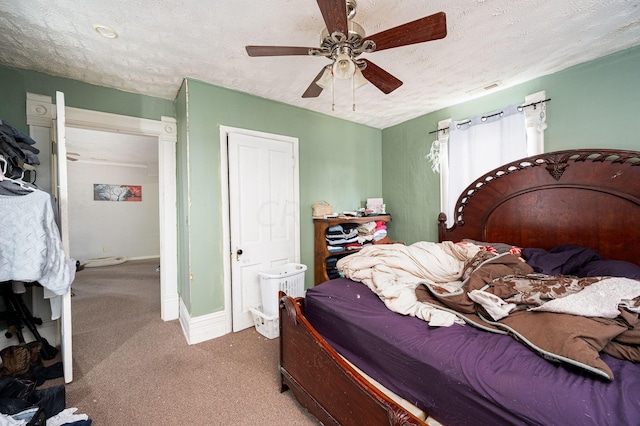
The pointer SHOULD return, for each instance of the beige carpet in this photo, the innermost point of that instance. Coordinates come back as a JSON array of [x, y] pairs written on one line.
[[131, 368]]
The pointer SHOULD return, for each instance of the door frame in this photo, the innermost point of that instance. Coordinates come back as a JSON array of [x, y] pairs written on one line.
[[224, 191], [41, 112]]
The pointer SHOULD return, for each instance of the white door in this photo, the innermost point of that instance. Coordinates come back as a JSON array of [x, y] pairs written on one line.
[[263, 216], [59, 185]]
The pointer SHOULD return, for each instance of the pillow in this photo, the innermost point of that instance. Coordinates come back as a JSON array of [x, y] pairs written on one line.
[[560, 260], [610, 268]]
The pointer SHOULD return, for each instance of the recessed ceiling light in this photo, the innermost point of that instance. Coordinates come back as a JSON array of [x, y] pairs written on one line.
[[105, 31]]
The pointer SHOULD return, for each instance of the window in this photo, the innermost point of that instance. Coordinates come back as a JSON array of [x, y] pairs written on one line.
[[471, 148]]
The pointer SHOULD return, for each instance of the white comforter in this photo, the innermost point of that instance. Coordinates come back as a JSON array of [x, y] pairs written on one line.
[[393, 271]]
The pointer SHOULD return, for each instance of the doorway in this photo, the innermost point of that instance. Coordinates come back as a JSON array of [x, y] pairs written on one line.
[[240, 286], [165, 134], [98, 227], [40, 117]]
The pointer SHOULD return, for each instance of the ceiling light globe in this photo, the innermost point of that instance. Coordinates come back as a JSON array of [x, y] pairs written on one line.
[[343, 67]]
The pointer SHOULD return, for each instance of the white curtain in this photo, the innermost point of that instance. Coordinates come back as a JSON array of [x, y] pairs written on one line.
[[479, 145], [536, 118], [443, 144]]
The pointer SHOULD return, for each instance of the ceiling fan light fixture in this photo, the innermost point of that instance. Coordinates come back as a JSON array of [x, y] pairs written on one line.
[[344, 50], [358, 79], [326, 81], [343, 66]]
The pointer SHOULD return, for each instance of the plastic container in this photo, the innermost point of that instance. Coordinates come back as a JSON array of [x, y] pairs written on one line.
[[288, 278], [267, 326]]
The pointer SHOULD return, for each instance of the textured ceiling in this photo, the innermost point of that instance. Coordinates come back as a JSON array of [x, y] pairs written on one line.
[[162, 41]]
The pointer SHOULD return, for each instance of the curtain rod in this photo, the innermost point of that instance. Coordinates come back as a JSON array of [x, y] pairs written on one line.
[[484, 117]]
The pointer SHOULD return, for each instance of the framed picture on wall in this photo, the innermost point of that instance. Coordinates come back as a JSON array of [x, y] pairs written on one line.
[[110, 192]]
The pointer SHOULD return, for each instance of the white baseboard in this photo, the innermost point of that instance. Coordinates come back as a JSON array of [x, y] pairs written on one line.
[[202, 328], [144, 257], [170, 308]]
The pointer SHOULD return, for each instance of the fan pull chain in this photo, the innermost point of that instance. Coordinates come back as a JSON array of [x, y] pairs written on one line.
[[353, 91], [333, 92]]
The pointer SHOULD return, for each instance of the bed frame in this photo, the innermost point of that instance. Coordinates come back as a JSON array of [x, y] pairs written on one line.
[[584, 197]]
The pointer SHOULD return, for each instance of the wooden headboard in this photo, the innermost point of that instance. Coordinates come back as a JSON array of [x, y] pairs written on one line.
[[586, 197]]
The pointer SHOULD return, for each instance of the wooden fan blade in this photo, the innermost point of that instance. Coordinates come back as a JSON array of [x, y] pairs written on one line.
[[334, 13], [278, 50], [432, 27], [313, 91], [380, 78]]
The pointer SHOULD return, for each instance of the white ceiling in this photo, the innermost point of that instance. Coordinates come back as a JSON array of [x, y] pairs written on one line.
[[162, 41], [108, 148]]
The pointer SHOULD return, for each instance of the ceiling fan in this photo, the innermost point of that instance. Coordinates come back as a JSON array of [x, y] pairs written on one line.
[[343, 41]]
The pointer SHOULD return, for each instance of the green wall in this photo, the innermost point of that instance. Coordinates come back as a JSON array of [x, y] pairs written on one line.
[[182, 196], [339, 162], [15, 83], [593, 105]]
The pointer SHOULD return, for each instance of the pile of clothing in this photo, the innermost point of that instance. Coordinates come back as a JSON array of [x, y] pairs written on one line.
[[17, 148], [374, 232], [332, 268], [351, 236], [22, 401], [342, 237]]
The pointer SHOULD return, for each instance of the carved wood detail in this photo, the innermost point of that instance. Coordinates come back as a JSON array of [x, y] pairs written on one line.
[[555, 163], [399, 417], [290, 307], [584, 197]]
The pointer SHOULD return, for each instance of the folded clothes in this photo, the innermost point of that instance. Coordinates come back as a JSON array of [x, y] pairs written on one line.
[[362, 239], [349, 230], [342, 233], [342, 241], [347, 233], [378, 235], [366, 228]]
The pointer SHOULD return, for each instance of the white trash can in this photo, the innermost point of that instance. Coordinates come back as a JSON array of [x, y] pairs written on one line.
[[288, 278]]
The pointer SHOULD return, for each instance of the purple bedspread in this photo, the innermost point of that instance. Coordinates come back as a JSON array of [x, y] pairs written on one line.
[[464, 376]]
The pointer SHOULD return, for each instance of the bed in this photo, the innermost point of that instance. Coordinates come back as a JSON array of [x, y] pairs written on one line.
[[462, 374]]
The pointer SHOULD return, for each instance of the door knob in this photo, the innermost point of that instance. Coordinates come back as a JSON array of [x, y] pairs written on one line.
[[238, 254]]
